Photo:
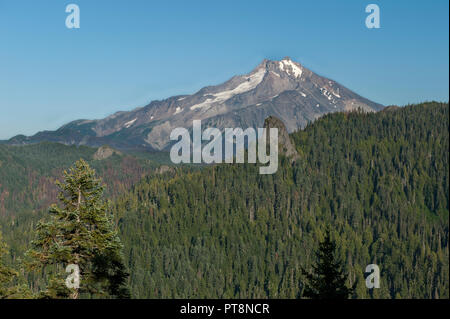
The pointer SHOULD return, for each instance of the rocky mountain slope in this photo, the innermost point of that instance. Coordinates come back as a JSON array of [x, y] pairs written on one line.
[[284, 89]]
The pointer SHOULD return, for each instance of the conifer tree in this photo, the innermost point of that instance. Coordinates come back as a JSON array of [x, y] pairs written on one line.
[[80, 232], [327, 281], [6, 273], [8, 288]]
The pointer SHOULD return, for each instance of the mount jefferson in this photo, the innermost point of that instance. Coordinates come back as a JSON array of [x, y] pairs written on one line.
[[284, 89]]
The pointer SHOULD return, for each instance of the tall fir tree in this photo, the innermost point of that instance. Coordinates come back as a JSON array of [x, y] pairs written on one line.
[[81, 232], [327, 280]]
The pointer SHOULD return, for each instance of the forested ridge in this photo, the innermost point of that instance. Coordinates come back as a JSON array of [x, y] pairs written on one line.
[[27, 189], [380, 181], [28, 173]]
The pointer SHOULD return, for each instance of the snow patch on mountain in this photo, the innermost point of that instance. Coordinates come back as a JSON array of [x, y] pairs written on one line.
[[250, 82], [290, 67], [274, 73], [128, 124]]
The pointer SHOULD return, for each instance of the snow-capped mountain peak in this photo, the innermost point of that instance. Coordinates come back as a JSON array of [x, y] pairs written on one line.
[[290, 67], [282, 88]]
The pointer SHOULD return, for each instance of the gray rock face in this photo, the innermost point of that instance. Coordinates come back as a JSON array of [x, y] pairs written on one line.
[[284, 89], [286, 146], [104, 152]]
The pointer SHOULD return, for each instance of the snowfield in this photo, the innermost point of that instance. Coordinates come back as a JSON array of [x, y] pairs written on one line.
[[250, 82]]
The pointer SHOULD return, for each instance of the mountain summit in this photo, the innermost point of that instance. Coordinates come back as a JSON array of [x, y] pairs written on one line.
[[284, 89]]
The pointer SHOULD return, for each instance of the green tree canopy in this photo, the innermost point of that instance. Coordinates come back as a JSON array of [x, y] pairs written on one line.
[[327, 281], [6, 274], [81, 232]]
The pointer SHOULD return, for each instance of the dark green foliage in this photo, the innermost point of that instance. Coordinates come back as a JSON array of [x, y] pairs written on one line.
[[110, 269], [380, 180], [6, 273], [28, 174], [27, 188], [328, 279], [81, 233], [9, 286]]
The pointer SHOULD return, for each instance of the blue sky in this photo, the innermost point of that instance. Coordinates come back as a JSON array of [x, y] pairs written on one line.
[[127, 53]]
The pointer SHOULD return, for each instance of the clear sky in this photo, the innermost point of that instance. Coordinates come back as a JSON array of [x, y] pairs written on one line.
[[127, 53]]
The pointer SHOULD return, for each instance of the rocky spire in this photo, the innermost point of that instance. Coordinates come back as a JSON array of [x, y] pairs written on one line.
[[286, 146]]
